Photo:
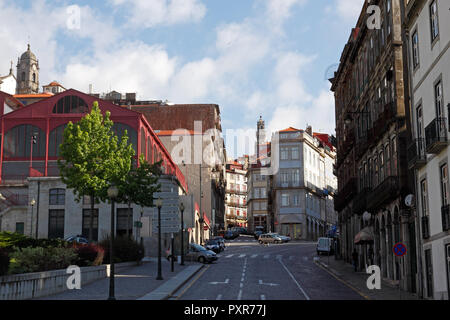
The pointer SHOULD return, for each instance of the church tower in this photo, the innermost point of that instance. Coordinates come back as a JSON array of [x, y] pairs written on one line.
[[260, 135], [27, 73]]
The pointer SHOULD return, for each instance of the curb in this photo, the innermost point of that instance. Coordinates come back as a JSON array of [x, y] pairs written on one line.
[[337, 276], [166, 290]]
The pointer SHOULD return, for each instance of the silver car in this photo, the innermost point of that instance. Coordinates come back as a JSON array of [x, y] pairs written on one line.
[[270, 238], [200, 254]]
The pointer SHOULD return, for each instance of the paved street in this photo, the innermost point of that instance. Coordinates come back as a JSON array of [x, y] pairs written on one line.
[[247, 270]]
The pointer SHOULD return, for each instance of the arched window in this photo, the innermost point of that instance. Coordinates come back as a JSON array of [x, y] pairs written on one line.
[[55, 139], [70, 104], [142, 141], [119, 130], [17, 142], [149, 150]]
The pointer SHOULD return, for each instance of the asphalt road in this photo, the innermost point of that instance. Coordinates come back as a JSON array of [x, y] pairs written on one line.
[[247, 270]]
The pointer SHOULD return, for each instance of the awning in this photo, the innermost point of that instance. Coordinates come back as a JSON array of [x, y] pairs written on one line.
[[206, 220], [364, 236], [290, 218]]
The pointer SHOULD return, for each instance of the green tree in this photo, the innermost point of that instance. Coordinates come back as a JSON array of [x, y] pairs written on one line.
[[92, 158], [139, 185]]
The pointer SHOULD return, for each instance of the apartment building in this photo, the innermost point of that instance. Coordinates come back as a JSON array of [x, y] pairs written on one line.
[[235, 196], [428, 38], [303, 184], [371, 94]]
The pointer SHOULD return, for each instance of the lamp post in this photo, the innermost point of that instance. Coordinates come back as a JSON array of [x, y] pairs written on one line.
[[32, 203], [158, 203], [182, 233], [112, 194]]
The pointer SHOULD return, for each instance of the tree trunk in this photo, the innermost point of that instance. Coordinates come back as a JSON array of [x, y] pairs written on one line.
[[91, 221]]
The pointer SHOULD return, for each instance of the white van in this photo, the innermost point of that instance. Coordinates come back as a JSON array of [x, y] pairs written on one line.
[[325, 245]]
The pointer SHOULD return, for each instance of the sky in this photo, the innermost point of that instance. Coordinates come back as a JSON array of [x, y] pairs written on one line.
[[269, 58]]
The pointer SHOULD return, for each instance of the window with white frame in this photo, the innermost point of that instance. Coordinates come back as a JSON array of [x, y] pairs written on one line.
[[295, 153], [434, 20], [415, 49], [285, 199]]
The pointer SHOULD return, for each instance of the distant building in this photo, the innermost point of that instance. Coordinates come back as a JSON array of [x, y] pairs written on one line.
[[54, 88], [8, 82], [303, 184], [235, 196]]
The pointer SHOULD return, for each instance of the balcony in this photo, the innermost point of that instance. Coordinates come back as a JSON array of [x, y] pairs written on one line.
[[345, 195], [425, 227], [417, 156], [360, 201], [236, 191], [385, 191], [445, 211], [361, 146], [436, 136]]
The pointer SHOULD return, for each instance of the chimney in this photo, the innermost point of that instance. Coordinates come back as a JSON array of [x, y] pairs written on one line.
[[309, 130]]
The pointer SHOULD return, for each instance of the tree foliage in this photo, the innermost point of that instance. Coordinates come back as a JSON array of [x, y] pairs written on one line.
[[92, 156]]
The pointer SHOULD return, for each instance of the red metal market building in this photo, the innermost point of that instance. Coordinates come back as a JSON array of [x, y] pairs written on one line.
[[44, 122]]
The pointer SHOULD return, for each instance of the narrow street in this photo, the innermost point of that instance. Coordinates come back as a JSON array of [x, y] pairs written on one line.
[[247, 270]]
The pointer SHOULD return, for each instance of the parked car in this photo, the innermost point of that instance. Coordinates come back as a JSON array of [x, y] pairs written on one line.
[[221, 241], [200, 254], [213, 245], [325, 245], [259, 230], [77, 239], [283, 238], [230, 235], [239, 230], [270, 238]]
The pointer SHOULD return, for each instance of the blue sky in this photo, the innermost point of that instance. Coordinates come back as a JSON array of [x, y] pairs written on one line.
[[252, 57]]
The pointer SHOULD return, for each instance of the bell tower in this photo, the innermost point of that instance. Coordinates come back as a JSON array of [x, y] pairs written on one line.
[[27, 73], [260, 135]]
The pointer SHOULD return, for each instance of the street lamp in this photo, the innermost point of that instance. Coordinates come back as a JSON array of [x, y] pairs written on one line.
[[112, 194], [182, 233], [32, 203], [159, 203]]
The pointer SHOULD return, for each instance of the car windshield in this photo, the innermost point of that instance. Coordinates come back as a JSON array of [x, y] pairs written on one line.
[[198, 247]]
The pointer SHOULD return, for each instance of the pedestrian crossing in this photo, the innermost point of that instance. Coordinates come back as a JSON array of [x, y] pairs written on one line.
[[260, 256]]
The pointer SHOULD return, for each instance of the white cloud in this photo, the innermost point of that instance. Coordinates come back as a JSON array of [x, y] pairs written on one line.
[[150, 13], [348, 10]]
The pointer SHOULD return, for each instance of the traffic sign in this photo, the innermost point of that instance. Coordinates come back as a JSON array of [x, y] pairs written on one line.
[[399, 249]]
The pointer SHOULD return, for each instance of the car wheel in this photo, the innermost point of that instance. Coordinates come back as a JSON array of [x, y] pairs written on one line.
[[260, 242], [201, 259]]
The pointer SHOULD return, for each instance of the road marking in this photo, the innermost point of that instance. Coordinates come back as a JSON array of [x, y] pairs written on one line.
[[242, 255], [342, 281], [254, 256], [293, 278], [268, 284], [229, 256], [263, 297], [219, 297], [226, 282], [279, 256], [190, 285], [239, 295], [266, 256]]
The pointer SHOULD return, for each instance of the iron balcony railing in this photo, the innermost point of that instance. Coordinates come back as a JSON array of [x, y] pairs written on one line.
[[425, 227], [445, 211], [436, 135], [417, 155], [385, 191]]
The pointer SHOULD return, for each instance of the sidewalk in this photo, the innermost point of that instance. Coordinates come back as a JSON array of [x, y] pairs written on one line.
[[136, 282], [357, 281]]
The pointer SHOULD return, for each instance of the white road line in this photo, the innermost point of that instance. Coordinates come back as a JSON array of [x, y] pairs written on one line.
[[279, 256], [266, 256], [263, 297], [229, 256], [219, 297], [239, 295], [242, 255], [298, 285], [254, 256]]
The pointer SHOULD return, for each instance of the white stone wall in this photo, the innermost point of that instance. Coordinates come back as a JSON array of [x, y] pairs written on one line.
[[434, 62]]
